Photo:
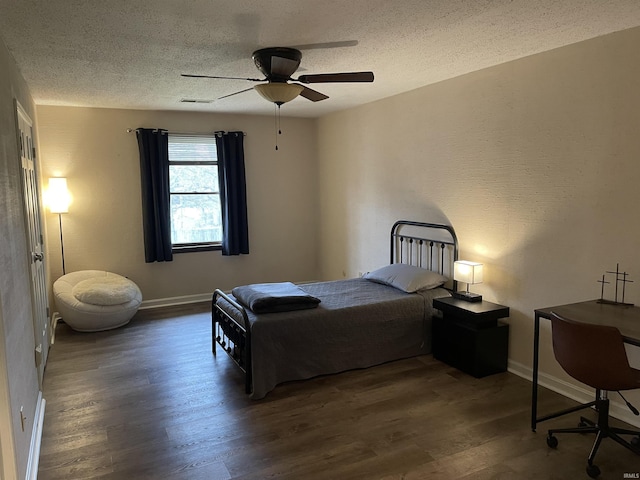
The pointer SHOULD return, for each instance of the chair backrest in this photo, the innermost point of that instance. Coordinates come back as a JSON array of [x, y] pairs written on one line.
[[592, 354]]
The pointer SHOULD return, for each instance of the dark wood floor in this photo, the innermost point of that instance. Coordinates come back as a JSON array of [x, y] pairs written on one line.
[[149, 401]]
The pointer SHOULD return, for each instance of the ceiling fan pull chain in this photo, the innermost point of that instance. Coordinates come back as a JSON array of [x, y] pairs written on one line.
[[276, 119]]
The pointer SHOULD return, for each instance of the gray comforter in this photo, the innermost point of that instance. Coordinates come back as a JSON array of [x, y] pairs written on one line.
[[357, 324]]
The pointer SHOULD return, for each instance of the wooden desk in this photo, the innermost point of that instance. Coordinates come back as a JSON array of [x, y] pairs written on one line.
[[625, 318]]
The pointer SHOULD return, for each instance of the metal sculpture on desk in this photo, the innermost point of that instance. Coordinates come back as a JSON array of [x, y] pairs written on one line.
[[620, 277]]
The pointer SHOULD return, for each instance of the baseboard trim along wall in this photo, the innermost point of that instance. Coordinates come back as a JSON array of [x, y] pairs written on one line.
[[55, 318], [171, 301], [617, 409], [200, 297], [36, 440]]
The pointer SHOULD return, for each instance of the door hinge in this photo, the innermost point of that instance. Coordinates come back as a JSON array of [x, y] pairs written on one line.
[[23, 419], [34, 152], [38, 354]]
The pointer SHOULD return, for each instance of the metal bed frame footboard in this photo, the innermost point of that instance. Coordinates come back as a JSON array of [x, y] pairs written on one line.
[[407, 246], [235, 339]]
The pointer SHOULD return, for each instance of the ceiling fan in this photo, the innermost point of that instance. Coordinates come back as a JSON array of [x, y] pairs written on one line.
[[278, 64]]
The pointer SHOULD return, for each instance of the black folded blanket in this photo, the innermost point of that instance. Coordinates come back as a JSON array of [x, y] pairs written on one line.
[[274, 297]]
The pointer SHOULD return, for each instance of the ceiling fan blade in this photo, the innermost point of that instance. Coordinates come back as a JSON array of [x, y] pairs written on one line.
[[314, 46], [337, 77], [235, 93], [312, 95], [223, 78]]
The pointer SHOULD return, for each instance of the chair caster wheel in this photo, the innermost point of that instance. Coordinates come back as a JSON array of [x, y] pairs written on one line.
[[593, 471], [552, 441], [636, 441]]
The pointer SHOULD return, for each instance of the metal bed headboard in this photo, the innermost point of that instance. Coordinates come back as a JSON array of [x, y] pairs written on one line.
[[432, 246]]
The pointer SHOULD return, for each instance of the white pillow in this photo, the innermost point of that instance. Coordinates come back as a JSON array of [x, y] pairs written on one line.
[[113, 290], [407, 278]]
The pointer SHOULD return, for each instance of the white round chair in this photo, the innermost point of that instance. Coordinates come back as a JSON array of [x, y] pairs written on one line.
[[94, 300]]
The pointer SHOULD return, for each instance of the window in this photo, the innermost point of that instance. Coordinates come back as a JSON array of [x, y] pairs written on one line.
[[196, 220]]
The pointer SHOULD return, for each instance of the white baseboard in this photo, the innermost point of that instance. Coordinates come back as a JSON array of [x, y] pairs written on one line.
[[36, 440], [55, 318], [617, 409], [167, 302]]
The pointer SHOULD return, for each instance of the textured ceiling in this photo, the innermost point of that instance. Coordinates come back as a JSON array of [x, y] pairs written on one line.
[[130, 53]]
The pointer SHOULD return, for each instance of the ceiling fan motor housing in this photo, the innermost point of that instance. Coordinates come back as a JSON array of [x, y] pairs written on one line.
[[277, 63]]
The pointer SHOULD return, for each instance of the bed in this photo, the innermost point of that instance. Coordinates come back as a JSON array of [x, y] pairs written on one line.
[[330, 327]]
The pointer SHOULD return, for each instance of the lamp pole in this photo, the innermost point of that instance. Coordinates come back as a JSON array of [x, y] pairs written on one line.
[[61, 242], [58, 198]]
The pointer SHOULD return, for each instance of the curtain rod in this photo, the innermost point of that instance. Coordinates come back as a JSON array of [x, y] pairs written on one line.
[[132, 130]]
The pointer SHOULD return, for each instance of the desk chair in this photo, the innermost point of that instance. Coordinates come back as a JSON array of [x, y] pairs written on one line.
[[595, 356]]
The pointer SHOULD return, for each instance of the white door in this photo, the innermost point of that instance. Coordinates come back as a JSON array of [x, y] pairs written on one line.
[[35, 239]]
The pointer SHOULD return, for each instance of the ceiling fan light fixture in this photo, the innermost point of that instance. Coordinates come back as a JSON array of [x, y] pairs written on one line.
[[278, 92]]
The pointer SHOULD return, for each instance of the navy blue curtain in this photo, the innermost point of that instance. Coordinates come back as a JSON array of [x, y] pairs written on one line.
[[233, 193], [153, 145]]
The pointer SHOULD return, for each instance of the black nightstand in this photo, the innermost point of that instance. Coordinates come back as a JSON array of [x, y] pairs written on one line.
[[469, 336]]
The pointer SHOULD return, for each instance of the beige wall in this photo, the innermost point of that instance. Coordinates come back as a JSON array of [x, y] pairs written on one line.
[[536, 164], [18, 375], [103, 229]]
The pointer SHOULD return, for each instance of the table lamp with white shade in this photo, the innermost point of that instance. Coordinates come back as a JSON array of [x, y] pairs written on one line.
[[469, 273]]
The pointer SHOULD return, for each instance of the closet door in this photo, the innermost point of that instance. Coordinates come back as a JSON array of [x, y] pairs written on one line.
[[35, 239]]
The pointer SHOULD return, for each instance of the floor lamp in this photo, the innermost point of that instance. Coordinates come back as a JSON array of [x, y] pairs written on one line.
[[59, 203]]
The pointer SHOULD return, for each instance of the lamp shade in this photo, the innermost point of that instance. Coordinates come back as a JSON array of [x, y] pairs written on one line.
[[278, 92], [467, 272], [58, 195]]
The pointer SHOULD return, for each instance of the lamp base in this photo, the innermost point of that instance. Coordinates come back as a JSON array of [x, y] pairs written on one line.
[[467, 296]]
